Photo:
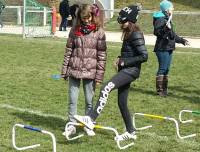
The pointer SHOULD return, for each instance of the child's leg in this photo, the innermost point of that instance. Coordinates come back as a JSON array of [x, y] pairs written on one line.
[[89, 88], [122, 103], [117, 81], [73, 93], [120, 79]]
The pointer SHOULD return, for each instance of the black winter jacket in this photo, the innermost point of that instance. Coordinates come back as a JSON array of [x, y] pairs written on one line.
[[64, 8], [133, 53], [166, 38]]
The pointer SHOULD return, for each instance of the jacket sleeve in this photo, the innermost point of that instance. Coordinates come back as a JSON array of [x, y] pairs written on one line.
[[67, 55], [138, 42], [161, 30], [101, 56], [179, 39]]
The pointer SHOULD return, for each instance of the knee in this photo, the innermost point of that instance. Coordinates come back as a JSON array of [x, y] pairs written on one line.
[[121, 104]]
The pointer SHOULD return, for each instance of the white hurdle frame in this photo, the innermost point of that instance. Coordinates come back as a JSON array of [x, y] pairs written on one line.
[[162, 118], [32, 129], [180, 116], [188, 111], [97, 127]]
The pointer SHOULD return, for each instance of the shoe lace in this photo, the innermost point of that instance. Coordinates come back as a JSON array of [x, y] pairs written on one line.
[[86, 119], [125, 136]]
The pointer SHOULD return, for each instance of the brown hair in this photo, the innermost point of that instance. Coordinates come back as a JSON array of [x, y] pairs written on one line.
[[85, 11], [132, 27]]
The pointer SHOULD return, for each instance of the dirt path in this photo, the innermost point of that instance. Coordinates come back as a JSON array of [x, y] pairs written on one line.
[[110, 36]]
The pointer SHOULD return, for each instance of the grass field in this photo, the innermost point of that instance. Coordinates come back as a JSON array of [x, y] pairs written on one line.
[[29, 95]]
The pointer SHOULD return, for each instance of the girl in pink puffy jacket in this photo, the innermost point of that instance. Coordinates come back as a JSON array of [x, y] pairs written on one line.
[[84, 59]]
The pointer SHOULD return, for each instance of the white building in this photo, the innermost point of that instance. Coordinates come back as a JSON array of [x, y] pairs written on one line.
[[107, 6]]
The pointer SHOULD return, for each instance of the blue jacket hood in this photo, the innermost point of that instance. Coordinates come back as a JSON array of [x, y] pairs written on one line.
[[158, 14]]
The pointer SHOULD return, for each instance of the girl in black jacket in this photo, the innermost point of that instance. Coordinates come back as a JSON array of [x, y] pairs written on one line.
[[133, 54], [64, 12], [165, 44]]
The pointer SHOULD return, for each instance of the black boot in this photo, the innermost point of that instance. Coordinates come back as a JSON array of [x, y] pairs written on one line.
[[159, 85], [165, 84]]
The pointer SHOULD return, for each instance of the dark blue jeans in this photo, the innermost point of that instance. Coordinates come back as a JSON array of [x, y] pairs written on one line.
[[63, 24], [164, 61]]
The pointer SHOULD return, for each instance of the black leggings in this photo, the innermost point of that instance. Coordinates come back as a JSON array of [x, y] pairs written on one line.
[[120, 81]]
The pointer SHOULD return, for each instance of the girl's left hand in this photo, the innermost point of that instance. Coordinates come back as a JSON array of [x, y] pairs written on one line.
[[115, 64], [185, 42]]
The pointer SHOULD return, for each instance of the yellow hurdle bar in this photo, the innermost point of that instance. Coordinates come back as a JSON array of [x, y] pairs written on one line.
[[155, 116], [96, 126]]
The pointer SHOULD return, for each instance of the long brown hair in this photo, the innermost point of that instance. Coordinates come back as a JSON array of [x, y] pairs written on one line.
[[132, 27], [86, 10]]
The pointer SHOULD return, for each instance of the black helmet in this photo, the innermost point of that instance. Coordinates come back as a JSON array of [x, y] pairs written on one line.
[[129, 13]]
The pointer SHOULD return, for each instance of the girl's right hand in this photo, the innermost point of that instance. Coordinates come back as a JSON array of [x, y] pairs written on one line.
[[64, 77]]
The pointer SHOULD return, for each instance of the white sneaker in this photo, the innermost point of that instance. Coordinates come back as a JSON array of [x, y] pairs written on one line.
[[89, 132], [71, 130], [126, 136], [86, 120]]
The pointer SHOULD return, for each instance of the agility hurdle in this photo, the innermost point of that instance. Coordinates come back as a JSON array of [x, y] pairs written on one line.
[[188, 111], [97, 127], [162, 118], [32, 129]]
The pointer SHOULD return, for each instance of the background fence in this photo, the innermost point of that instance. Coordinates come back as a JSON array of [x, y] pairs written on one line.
[[185, 23]]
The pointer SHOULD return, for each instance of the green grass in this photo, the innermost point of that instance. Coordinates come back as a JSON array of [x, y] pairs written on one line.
[[26, 67]]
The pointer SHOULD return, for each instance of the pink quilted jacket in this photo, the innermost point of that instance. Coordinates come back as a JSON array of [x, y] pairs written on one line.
[[85, 56]]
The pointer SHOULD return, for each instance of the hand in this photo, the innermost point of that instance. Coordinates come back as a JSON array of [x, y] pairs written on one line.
[[168, 25], [64, 77], [185, 42], [69, 17], [98, 83], [115, 64], [121, 62]]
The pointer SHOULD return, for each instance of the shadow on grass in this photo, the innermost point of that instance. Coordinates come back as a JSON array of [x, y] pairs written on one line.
[[186, 93], [184, 90], [55, 124], [36, 120]]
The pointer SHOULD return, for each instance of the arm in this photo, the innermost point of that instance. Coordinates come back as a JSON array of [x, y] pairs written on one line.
[[181, 40], [139, 44], [67, 55], [101, 57]]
